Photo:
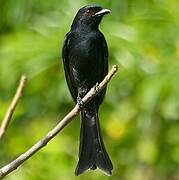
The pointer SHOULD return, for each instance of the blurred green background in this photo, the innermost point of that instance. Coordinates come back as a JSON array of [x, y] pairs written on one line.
[[140, 115]]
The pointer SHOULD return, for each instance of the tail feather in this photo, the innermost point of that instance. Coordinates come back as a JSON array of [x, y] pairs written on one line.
[[92, 153]]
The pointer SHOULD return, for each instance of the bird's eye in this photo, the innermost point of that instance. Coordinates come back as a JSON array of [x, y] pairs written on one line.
[[89, 12]]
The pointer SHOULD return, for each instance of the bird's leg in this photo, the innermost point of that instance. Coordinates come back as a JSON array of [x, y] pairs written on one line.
[[80, 102], [81, 94]]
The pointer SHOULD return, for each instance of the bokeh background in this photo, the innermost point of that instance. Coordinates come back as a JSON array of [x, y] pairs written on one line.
[[140, 115]]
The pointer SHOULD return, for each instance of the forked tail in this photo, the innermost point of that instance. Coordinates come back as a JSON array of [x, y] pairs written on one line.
[[92, 153]]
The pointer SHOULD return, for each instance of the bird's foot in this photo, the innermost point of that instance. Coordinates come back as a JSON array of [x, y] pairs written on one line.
[[80, 102], [96, 86]]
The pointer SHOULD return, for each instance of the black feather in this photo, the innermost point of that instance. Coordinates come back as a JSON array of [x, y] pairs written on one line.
[[85, 58]]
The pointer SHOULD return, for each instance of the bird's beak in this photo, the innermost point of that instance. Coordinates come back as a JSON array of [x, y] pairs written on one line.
[[102, 12]]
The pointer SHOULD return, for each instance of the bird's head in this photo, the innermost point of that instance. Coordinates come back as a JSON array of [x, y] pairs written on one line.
[[89, 17]]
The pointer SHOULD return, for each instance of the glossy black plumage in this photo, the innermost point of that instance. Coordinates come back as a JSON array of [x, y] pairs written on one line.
[[85, 58]]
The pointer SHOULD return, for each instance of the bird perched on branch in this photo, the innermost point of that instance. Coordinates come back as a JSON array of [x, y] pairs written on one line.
[[85, 58]]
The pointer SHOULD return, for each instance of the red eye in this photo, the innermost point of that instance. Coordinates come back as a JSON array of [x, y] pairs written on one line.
[[89, 12]]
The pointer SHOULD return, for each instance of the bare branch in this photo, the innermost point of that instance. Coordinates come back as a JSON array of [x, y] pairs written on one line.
[[7, 118], [51, 134]]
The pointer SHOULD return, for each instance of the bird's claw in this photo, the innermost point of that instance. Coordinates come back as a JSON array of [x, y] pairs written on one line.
[[96, 86], [80, 102]]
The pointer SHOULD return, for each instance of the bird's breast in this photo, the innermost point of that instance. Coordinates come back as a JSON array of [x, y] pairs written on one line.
[[85, 57], [85, 50]]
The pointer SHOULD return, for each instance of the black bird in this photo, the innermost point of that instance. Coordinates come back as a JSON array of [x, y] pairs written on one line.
[[85, 58]]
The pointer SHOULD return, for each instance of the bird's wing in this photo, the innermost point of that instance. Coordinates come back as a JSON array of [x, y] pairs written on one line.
[[103, 66], [65, 52], [105, 50]]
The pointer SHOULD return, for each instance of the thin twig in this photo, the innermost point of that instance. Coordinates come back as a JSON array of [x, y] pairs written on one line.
[[7, 118], [51, 134]]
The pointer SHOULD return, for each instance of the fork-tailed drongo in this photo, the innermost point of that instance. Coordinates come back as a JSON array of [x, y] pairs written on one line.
[[85, 58]]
